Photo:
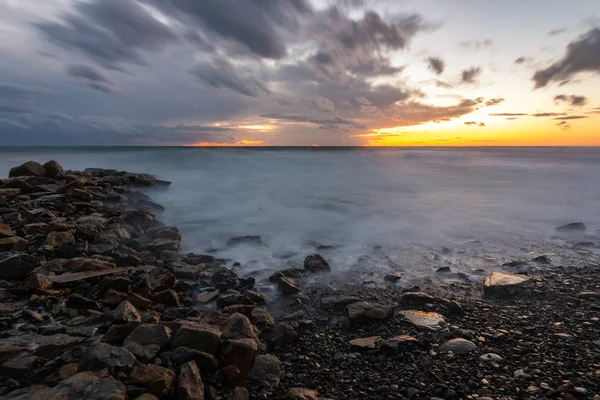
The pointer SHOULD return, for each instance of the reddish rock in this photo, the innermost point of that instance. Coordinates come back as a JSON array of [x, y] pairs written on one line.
[[155, 379], [189, 383]]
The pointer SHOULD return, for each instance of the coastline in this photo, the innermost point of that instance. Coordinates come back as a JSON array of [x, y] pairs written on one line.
[[181, 325]]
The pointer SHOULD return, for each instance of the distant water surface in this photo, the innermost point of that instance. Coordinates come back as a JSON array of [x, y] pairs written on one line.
[[376, 210]]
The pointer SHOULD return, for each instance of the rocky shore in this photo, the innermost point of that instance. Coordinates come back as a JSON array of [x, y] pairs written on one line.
[[97, 301]]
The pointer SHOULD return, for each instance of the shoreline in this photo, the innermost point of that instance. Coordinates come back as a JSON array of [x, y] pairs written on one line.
[[94, 272]]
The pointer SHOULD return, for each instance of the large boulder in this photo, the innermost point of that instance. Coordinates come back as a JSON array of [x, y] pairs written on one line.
[[30, 168], [239, 353], [189, 383], [316, 263], [147, 340], [500, 284], [102, 355], [53, 169]]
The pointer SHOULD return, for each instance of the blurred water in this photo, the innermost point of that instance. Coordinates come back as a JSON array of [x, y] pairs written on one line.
[[380, 209]]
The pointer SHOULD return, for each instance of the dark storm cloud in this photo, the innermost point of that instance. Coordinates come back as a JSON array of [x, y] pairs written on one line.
[[221, 73], [473, 123], [14, 109], [436, 64], [522, 60], [494, 102], [257, 25], [507, 115], [476, 44], [322, 122], [576, 101], [582, 55], [374, 68], [555, 32], [470, 75], [110, 32], [564, 125], [91, 77], [12, 91], [570, 117]]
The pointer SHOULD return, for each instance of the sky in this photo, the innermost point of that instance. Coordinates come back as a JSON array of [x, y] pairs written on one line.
[[300, 72]]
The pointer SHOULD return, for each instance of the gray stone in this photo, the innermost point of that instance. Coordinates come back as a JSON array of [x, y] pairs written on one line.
[[459, 346], [316, 263], [572, 227], [102, 355], [363, 312], [500, 284], [266, 370]]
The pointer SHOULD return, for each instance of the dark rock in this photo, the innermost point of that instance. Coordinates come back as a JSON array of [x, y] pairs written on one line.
[[338, 301], [363, 312], [543, 259], [240, 353], [284, 334], [189, 383], [155, 379], [315, 263], [301, 394], [126, 312], [459, 346], [138, 301], [207, 363], [395, 277], [147, 340], [102, 355], [167, 297], [262, 318], [572, 227], [16, 266], [30, 168], [53, 169], [500, 284], [38, 282], [266, 371], [5, 231], [288, 286], [201, 338], [238, 326], [78, 301], [287, 273], [225, 279], [399, 342], [370, 342], [416, 298], [249, 240], [21, 365]]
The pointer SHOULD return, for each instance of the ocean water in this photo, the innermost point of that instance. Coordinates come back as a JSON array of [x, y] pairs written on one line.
[[376, 211]]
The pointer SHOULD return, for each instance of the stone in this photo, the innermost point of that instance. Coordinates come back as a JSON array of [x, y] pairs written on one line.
[[9, 192], [284, 334], [147, 340], [102, 355], [84, 385], [45, 346], [338, 301], [225, 279], [459, 346], [207, 363], [430, 321], [189, 382], [239, 353], [315, 263], [267, 371], [238, 326], [500, 284], [80, 302], [393, 278], [32, 315], [53, 169], [238, 393], [199, 338], [13, 243], [262, 318], [490, 357], [5, 231], [138, 301], [80, 264], [207, 297], [288, 286], [21, 365], [30, 168], [399, 342], [416, 298], [301, 394], [155, 379], [573, 227], [364, 312], [247, 240], [370, 342], [126, 312], [38, 282], [168, 297]]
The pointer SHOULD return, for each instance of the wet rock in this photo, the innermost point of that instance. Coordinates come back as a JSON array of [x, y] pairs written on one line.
[[53, 169], [147, 340], [33, 316], [155, 379], [116, 334], [238, 393], [338, 301], [118, 283], [126, 312], [239, 353], [267, 371], [189, 383], [207, 297], [301, 394], [102, 355], [416, 298], [248, 240], [500, 284], [262, 318], [423, 320], [207, 363], [316, 263], [284, 334], [543, 259], [225, 279], [364, 312], [287, 273], [238, 326], [201, 338], [288, 286], [167, 297], [30, 168], [459, 346], [393, 278], [366, 343], [572, 227]]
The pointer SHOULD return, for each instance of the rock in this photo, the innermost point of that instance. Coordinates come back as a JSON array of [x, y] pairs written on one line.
[[155, 379], [207, 363], [21, 365], [370, 342], [399, 342], [238, 326], [126, 312], [423, 320], [138, 301], [287, 273], [363, 312], [239, 353], [459, 346], [284, 334], [6, 192], [168, 297], [13, 244], [5, 231], [338, 301], [248, 240], [33, 316], [500, 284], [267, 371], [80, 264], [30, 168], [147, 340], [316, 263], [207, 297], [262, 318], [543, 259], [238, 393], [45, 346], [416, 298], [201, 338], [16, 266], [84, 385], [82, 195], [301, 394], [102, 355], [78, 301], [189, 383], [490, 357], [225, 279], [288, 286], [38, 282], [53, 168], [393, 278], [572, 227]]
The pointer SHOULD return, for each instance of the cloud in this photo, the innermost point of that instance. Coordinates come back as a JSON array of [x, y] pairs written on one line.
[[564, 125], [436, 64], [494, 102], [571, 117], [470, 75], [324, 123], [414, 113], [555, 32], [476, 44], [374, 68], [540, 115], [91, 77], [576, 101], [322, 104], [582, 55], [12, 91], [507, 115], [473, 123], [220, 73], [523, 60]]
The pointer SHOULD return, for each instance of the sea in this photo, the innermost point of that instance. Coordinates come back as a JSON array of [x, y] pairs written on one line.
[[369, 211]]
